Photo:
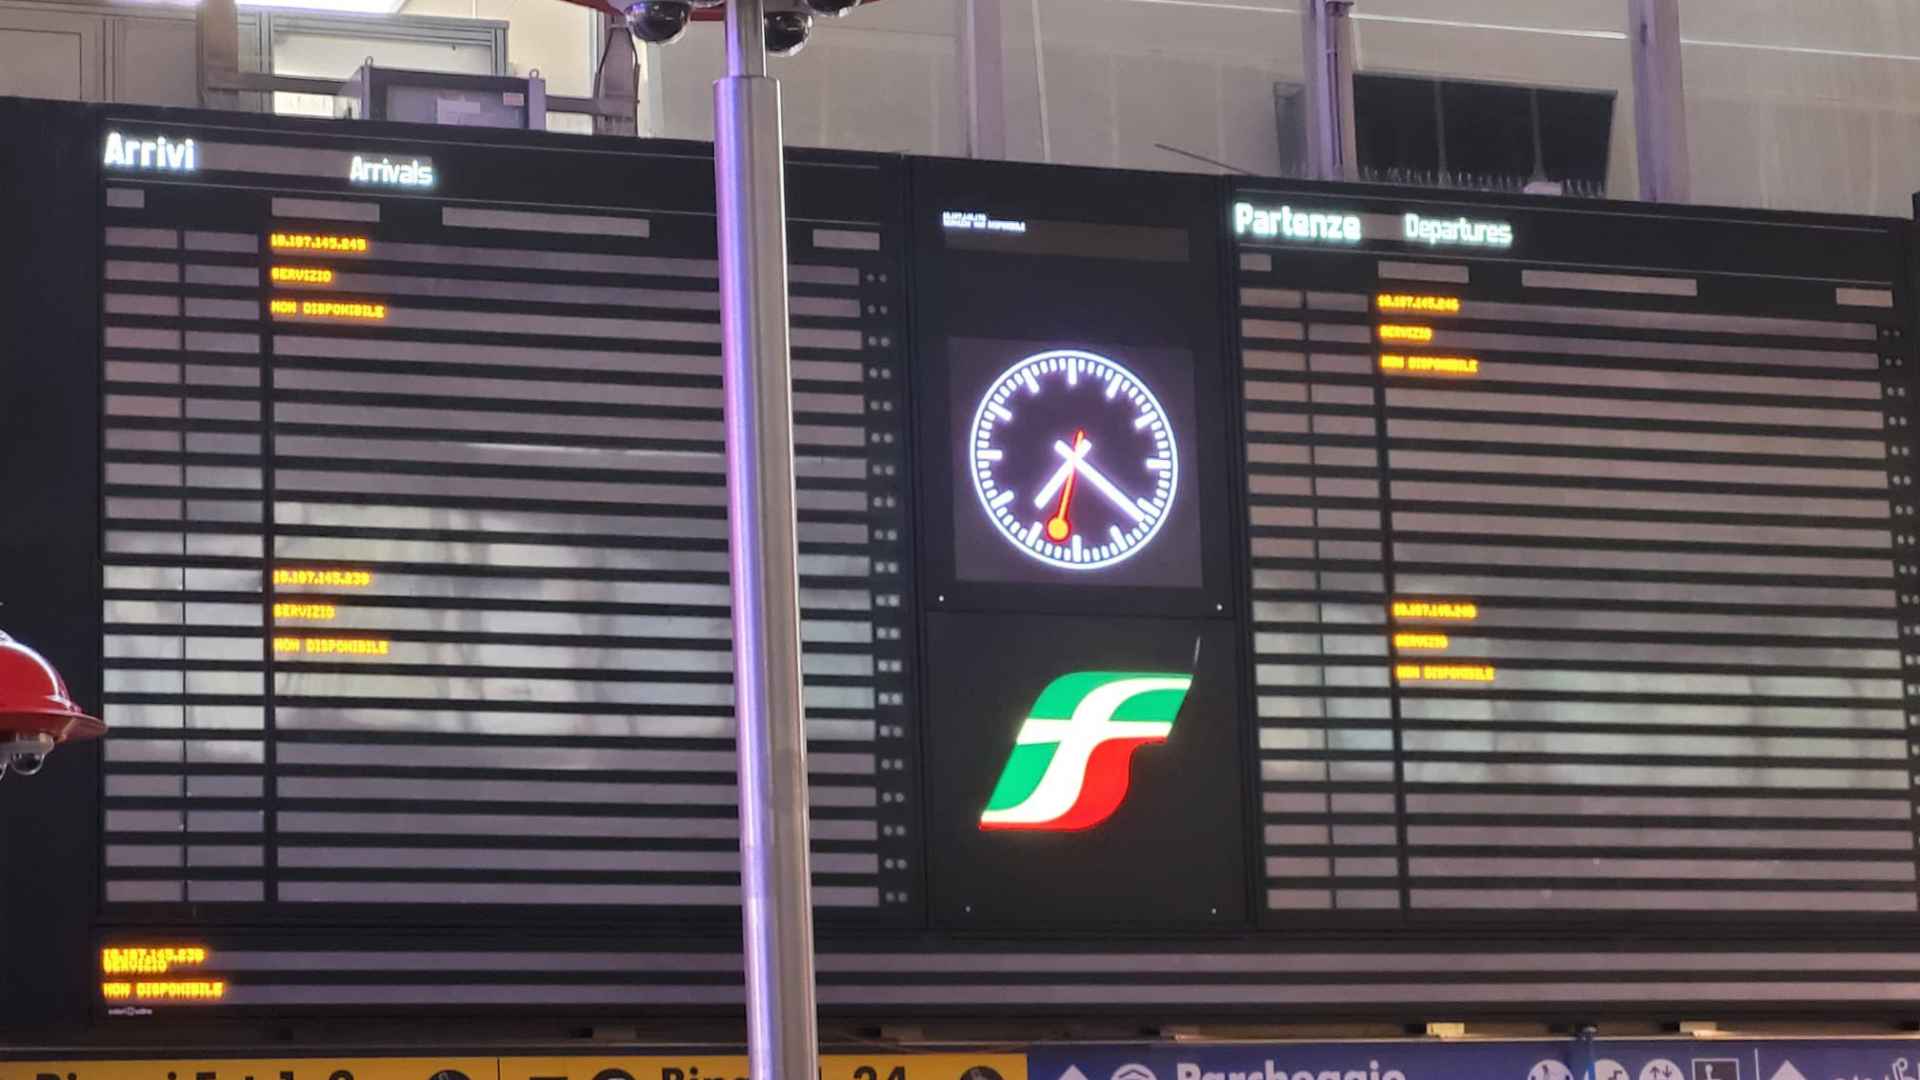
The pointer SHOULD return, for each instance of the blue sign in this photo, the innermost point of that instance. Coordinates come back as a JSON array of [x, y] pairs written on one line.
[[1565, 1059]]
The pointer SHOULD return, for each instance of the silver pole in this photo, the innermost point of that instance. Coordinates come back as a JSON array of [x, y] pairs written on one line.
[[774, 877], [1326, 34], [1659, 100], [217, 45], [983, 86]]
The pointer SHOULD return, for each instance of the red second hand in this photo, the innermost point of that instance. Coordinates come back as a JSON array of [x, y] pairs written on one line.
[[1057, 527]]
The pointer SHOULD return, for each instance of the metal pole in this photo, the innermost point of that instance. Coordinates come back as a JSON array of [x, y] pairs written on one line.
[[1659, 100], [1327, 38], [983, 57], [1040, 84], [774, 877], [217, 54]]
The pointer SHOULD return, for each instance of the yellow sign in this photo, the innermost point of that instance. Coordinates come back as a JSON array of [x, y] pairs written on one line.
[[732, 1067], [423, 1068], [983, 1066]]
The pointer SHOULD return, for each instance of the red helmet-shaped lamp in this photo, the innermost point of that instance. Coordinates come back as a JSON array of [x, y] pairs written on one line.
[[36, 712]]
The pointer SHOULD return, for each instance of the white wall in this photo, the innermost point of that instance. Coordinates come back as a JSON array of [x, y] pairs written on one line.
[[144, 52], [97, 52], [1791, 103], [547, 35], [1122, 76], [1812, 106], [885, 78]]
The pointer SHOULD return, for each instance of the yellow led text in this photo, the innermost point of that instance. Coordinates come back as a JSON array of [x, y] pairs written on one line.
[[1452, 610], [1419, 335], [350, 646], [166, 990], [315, 612], [319, 646], [316, 242], [1430, 365], [1443, 672], [1420, 641], [331, 309], [344, 579], [1441, 305], [302, 275], [150, 960]]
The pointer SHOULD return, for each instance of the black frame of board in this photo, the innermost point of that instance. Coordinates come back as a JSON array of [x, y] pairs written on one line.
[[1098, 198], [827, 187], [1651, 228], [42, 987]]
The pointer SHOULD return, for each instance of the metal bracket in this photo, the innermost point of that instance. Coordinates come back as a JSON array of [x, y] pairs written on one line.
[[616, 85]]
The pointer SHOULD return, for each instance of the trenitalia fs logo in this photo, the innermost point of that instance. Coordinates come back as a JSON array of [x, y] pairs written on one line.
[[1071, 759]]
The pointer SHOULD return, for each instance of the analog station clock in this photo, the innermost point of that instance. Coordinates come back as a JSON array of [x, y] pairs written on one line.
[[1073, 459]]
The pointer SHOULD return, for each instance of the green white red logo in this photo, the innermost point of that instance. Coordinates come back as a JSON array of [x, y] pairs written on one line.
[[1070, 762]]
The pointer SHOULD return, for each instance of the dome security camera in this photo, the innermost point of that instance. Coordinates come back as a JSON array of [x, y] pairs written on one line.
[[658, 22], [787, 31], [831, 8]]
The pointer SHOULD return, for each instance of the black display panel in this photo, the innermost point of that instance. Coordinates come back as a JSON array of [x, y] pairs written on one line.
[[1090, 773], [1069, 382], [1580, 564], [1527, 628], [1073, 454], [416, 575], [49, 553], [1072, 451], [414, 603]]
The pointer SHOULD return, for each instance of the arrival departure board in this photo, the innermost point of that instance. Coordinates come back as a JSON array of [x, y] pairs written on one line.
[[1579, 552], [1219, 597], [415, 536]]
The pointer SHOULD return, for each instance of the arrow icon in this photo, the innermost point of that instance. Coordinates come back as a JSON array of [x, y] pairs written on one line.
[[1786, 1071], [1073, 1073]]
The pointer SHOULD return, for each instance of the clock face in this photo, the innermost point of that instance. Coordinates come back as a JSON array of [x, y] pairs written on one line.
[[1073, 459]]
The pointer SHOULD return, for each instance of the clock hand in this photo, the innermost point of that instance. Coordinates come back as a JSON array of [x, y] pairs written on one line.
[[1057, 526], [1100, 483], [1065, 470]]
